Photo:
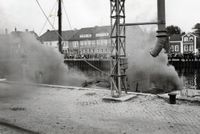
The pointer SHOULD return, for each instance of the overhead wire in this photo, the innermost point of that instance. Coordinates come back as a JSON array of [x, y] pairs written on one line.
[[96, 68], [46, 19]]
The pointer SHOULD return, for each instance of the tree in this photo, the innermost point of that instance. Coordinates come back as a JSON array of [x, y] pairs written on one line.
[[173, 30], [197, 28]]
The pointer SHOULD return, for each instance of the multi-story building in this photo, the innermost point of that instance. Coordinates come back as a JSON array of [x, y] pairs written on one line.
[[91, 42], [175, 44], [184, 44], [189, 45], [50, 38]]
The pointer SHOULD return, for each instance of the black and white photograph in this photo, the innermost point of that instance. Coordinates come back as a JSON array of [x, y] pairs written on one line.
[[99, 67]]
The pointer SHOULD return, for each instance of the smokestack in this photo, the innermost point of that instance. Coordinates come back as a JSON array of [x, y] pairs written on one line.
[[162, 38]]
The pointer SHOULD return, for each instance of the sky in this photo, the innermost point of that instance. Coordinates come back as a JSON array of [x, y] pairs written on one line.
[[26, 14]]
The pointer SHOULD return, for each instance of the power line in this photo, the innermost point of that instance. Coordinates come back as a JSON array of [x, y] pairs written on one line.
[[46, 19], [67, 16], [96, 68]]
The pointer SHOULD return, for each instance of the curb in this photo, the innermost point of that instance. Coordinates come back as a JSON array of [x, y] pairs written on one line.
[[43, 85]]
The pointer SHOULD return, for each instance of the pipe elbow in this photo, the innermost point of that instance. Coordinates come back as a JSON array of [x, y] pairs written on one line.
[[160, 44]]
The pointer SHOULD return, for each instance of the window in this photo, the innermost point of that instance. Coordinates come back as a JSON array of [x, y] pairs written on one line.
[[81, 43], [185, 48], [89, 43], [191, 38], [75, 44], [104, 42], [93, 42], [85, 36], [102, 34], [108, 42], [172, 48], [176, 48], [98, 42], [185, 39], [191, 48]]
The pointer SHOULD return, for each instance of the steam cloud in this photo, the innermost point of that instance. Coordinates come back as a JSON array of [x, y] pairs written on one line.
[[145, 70], [23, 58]]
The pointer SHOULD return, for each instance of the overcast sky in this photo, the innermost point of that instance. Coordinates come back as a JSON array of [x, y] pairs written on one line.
[[25, 14]]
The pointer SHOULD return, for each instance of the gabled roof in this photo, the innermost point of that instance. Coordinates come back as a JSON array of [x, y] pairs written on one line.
[[175, 37], [188, 34], [91, 30], [53, 35]]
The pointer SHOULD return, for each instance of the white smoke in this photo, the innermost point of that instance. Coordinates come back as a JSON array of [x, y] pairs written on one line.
[[145, 70], [23, 58]]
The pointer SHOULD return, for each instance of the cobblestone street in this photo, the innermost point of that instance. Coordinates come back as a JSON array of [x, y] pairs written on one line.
[[59, 110]]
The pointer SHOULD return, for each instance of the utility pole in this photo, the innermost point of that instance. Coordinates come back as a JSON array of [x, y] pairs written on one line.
[[119, 63], [60, 26]]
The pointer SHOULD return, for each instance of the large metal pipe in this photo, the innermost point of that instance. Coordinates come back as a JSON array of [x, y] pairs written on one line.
[[60, 26], [162, 38], [139, 23]]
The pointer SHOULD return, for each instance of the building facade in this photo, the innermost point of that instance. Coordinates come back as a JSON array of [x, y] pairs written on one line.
[[189, 43], [175, 44], [184, 44], [91, 42], [50, 39]]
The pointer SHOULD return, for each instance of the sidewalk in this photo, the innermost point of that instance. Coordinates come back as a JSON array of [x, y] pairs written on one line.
[[82, 111]]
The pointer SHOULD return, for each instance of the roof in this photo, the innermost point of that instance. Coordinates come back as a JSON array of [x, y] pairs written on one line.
[[53, 35], [175, 37], [74, 35], [19, 33], [189, 34], [93, 31]]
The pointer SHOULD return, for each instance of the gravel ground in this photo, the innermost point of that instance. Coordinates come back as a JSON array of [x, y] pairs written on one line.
[[9, 130], [82, 111]]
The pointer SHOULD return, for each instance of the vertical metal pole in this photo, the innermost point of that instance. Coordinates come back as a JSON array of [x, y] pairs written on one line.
[[117, 60], [161, 15], [60, 26], [118, 52]]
